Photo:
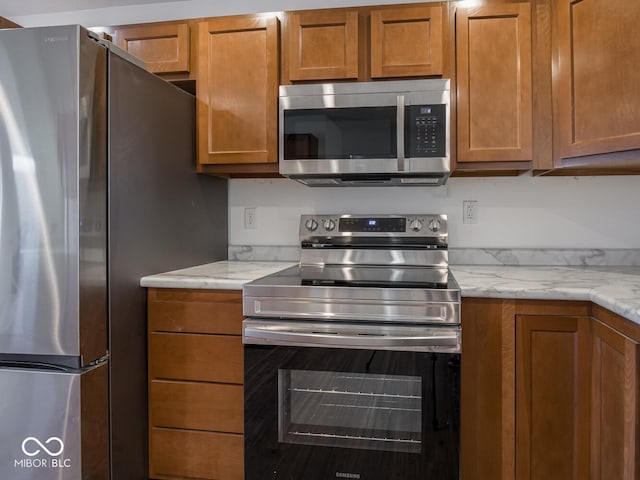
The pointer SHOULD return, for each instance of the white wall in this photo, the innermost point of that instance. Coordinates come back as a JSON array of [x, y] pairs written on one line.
[[520, 212]]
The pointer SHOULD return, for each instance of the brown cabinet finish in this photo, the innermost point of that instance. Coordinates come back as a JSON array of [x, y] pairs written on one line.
[[552, 397], [406, 42], [323, 45], [488, 390], [596, 94], [189, 454], [615, 432], [6, 23], [237, 91], [165, 48], [196, 412], [494, 84]]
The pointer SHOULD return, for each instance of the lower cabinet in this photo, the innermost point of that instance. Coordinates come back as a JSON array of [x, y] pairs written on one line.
[[549, 391], [195, 384]]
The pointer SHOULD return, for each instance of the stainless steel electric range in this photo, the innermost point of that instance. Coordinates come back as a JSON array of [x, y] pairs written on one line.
[[352, 358]]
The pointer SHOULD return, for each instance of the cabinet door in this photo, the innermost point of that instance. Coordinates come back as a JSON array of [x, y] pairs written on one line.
[[614, 410], [493, 47], [406, 42], [596, 94], [237, 90], [487, 400], [5, 23], [323, 45], [552, 397], [163, 47]]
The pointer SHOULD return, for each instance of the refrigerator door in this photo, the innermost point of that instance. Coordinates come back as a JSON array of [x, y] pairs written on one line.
[[54, 424], [52, 195]]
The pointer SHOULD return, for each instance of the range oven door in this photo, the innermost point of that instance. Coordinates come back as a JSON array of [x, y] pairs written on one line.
[[321, 413]]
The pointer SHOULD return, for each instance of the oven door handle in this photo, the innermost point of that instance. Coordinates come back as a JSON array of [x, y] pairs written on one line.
[[434, 339]]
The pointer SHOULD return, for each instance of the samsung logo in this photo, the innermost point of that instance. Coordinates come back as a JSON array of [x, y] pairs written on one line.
[[55, 39], [347, 475]]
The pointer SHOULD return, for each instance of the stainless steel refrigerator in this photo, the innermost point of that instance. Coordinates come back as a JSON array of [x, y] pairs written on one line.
[[97, 188]]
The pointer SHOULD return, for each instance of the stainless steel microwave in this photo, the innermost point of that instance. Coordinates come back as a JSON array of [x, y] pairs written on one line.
[[365, 133]]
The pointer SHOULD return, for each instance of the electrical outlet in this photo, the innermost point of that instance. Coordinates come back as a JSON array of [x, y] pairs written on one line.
[[469, 211], [250, 218]]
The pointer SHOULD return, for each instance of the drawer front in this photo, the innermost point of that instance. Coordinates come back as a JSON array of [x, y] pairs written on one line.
[[205, 358], [197, 406], [189, 454], [195, 312]]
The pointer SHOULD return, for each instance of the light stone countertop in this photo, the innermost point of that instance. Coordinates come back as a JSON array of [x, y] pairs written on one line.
[[614, 288], [225, 275]]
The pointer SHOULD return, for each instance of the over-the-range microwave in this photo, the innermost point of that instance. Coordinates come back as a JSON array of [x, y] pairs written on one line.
[[365, 133]]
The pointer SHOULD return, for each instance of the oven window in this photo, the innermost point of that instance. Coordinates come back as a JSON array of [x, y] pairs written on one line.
[[340, 133], [350, 410]]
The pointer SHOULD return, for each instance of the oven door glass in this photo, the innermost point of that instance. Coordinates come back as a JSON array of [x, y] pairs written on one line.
[[325, 413], [340, 133], [350, 410]]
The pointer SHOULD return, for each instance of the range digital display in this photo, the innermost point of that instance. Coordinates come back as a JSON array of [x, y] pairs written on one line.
[[372, 224]]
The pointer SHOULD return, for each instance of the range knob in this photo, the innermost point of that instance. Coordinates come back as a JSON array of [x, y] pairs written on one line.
[[311, 225], [415, 225], [434, 225], [329, 225]]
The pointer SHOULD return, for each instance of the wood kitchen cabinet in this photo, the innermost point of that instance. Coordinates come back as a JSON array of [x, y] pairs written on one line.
[[494, 87], [364, 43], [596, 53], [6, 23], [549, 390], [195, 384], [237, 93], [164, 47]]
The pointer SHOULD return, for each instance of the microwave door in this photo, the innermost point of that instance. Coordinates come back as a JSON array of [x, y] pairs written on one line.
[[340, 134]]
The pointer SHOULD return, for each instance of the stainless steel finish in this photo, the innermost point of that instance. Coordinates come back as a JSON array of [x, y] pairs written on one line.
[[320, 235], [400, 133], [53, 424], [74, 167], [358, 336], [53, 179], [381, 171], [361, 256]]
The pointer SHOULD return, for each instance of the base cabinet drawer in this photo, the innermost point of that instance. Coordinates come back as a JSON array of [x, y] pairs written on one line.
[[176, 454], [198, 406], [204, 358]]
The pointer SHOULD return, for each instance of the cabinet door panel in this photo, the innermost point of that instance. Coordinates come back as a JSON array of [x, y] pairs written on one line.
[[196, 406], [597, 76], [164, 48], [237, 90], [323, 45], [198, 455], [205, 358], [552, 395], [406, 42], [614, 444], [493, 46]]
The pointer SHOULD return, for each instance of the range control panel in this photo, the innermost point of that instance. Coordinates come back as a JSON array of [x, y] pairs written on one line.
[[414, 225]]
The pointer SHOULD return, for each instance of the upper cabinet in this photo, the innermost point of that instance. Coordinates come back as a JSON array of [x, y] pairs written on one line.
[[323, 45], [164, 47], [596, 77], [237, 92], [406, 42], [5, 23], [365, 43], [494, 85]]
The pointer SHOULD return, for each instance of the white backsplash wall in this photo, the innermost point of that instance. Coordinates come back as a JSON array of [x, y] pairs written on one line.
[[520, 212]]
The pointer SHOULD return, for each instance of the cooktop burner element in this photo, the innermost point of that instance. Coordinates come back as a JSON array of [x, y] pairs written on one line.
[[383, 268]]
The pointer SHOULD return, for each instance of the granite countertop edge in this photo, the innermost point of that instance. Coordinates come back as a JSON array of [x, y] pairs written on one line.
[[615, 288]]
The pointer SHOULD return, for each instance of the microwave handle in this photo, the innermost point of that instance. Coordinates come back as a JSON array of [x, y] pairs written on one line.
[[400, 132]]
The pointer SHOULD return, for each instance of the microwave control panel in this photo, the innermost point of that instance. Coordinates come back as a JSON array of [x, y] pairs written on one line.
[[425, 133]]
